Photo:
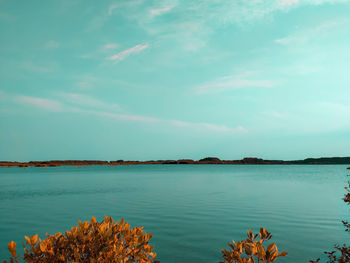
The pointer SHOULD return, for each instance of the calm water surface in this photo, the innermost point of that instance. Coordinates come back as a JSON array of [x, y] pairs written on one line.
[[192, 210]]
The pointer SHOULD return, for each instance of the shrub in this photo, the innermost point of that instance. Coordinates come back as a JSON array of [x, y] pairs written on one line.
[[246, 251], [89, 242]]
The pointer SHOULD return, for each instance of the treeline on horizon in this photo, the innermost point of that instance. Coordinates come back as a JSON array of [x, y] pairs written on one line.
[[207, 160]]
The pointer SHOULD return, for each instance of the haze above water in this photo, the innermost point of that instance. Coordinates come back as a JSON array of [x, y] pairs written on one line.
[[192, 210]]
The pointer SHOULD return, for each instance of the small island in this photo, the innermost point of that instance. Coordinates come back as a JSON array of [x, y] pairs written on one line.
[[207, 160]]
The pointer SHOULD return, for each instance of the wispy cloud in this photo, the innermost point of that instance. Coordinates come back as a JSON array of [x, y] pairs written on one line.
[[100, 19], [335, 116], [305, 67], [193, 126], [284, 3], [100, 51], [43, 103], [235, 12], [161, 10], [234, 82], [335, 109], [208, 127], [195, 21], [129, 117], [97, 22], [304, 118], [85, 81], [203, 11], [111, 8], [305, 35], [126, 4], [83, 104], [274, 114], [87, 101], [128, 52], [110, 46]]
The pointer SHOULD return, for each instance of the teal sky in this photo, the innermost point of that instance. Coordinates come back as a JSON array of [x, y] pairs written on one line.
[[173, 79]]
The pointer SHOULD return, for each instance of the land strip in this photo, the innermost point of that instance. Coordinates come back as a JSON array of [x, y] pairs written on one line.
[[207, 160]]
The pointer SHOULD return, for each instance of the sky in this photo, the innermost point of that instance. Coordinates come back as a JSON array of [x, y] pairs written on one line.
[[170, 79]]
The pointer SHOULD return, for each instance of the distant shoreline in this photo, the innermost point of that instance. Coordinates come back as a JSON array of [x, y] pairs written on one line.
[[208, 160]]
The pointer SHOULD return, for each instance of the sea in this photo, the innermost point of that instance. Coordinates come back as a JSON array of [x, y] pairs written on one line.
[[193, 211]]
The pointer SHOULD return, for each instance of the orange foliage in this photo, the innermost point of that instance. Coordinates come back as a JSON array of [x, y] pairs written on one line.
[[246, 251], [90, 242]]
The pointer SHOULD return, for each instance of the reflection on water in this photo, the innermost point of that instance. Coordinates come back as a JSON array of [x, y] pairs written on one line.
[[192, 210]]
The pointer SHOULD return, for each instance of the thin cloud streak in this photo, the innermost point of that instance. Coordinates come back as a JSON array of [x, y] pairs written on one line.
[[305, 35], [43, 103], [161, 10], [284, 3], [87, 101], [208, 127], [230, 83], [122, 55], [126, 4], [74, 104], [274, 114], [128, 117], [110, 46], [111, 8]]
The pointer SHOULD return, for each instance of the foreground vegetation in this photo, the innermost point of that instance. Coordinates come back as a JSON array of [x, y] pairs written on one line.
[[89, 242], [251, 249], [112, 241]]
